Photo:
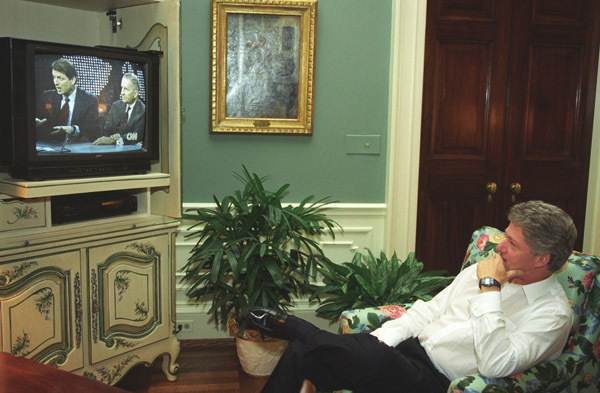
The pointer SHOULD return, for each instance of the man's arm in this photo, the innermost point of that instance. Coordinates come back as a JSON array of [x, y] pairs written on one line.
[[543, 327], [85, 116], [501, 351], [417, 317], [109, 135]]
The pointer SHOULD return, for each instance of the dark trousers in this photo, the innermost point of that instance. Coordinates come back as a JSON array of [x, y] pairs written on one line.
[[357, 362]]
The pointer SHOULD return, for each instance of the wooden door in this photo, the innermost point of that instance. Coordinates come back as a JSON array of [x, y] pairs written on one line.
[[508, 99], [552, 93], [464, 116]]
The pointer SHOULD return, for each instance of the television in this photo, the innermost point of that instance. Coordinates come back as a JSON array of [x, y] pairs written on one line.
[[77, 111]]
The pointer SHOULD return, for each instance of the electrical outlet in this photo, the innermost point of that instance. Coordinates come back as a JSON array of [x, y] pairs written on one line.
[[363, 144], [185, 326]]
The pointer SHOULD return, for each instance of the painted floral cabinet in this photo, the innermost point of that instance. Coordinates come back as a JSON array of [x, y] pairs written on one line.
[[127, 300], [95, 299], [41, 308]]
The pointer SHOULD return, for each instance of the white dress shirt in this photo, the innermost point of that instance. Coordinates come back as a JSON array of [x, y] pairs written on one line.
[[72, 99], [496, 334]]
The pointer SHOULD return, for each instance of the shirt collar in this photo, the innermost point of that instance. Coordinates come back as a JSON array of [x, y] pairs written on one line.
[[534, 290], [71, 96]]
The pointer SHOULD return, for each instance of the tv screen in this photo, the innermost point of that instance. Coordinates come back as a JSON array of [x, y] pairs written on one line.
[[78, 111]]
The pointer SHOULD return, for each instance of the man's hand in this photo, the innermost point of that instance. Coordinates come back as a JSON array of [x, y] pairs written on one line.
[[494, 267], [66, 129], [104, 140], [107, 140], [39, 122]]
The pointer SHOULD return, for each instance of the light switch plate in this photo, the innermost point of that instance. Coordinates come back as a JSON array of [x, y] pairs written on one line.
[[363, 144]]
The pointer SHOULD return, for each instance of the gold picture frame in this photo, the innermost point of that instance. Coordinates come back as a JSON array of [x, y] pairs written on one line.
[[262, 71]]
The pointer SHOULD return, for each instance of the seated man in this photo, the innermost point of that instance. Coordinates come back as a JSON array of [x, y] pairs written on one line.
[[498, 318], [68, 113], [126, 120]]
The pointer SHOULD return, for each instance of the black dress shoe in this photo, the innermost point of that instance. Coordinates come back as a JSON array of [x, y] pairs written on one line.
[[266, 321]]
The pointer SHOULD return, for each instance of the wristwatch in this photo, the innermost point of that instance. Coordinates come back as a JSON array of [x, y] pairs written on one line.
[[489, 282]]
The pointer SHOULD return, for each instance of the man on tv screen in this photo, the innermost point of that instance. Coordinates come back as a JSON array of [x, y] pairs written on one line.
[[67, 113], [126, 119]]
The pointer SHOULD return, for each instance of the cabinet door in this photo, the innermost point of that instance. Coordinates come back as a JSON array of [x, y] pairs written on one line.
[[128, 295], [41, 309]]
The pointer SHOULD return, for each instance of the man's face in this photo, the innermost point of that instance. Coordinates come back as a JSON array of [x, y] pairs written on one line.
[[128, 92], [63, 85], [516, 253]]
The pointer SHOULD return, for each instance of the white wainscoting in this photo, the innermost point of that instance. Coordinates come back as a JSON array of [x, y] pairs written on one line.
[[362, 227]]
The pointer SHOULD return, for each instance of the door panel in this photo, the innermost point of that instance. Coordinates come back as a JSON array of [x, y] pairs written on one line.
[[551, 102], [459, 118]]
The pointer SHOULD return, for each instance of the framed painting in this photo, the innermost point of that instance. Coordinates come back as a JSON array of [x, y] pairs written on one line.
[[263, 56]]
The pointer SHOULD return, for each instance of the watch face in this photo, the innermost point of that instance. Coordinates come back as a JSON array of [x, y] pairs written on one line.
[[489, 282]]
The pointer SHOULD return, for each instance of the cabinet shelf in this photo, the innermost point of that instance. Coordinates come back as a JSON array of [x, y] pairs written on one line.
[[95, 5], [35, 189]]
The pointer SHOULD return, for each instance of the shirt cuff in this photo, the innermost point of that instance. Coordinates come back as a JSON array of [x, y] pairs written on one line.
[[484, 303], [388, 336]]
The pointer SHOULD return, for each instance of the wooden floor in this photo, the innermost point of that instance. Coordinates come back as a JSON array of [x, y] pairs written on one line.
[[204, 366]]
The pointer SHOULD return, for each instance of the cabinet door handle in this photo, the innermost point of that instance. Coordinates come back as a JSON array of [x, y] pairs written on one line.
[[515, 189], [491, 189]]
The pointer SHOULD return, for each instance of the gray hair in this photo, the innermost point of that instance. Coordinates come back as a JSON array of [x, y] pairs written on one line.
[[134, 80], [547, 229]]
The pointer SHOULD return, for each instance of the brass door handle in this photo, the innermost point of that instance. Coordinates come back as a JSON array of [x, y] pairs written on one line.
[[491, 189], [515, 189]]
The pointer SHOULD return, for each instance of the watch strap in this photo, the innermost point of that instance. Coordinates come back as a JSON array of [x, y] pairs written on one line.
[[489, 282]]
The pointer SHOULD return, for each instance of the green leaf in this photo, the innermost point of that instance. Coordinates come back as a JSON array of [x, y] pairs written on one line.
[[374, 321], [369, 281], [215, 275]]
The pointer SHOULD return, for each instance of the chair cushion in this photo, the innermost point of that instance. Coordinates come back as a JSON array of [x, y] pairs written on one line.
[[482, 245], [365, 320], [577, 278]]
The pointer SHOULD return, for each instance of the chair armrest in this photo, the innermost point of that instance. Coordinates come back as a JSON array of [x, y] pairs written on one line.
[[551, 375], [365, 320]]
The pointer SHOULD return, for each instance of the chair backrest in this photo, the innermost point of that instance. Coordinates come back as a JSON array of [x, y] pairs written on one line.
[[579, 278]]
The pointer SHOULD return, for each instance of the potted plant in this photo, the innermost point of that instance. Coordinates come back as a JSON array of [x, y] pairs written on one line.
[[254, 251], [368, 281]]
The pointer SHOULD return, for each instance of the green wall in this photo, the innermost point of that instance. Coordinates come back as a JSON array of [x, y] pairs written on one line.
[[351, 97]]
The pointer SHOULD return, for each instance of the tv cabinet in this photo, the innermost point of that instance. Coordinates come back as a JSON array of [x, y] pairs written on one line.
[[93, 297]]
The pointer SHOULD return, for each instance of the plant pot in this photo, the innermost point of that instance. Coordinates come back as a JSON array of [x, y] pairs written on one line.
[[258, 354], [259, 357]]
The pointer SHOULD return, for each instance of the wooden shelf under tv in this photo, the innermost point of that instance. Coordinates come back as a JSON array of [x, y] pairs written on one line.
[[95, 5], [47, 188]]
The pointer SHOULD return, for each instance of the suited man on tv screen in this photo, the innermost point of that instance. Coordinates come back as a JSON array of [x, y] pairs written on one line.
[[127, 117], [67, 113]]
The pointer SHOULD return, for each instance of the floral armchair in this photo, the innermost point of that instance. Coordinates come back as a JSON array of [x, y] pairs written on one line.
[[576, 369]]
